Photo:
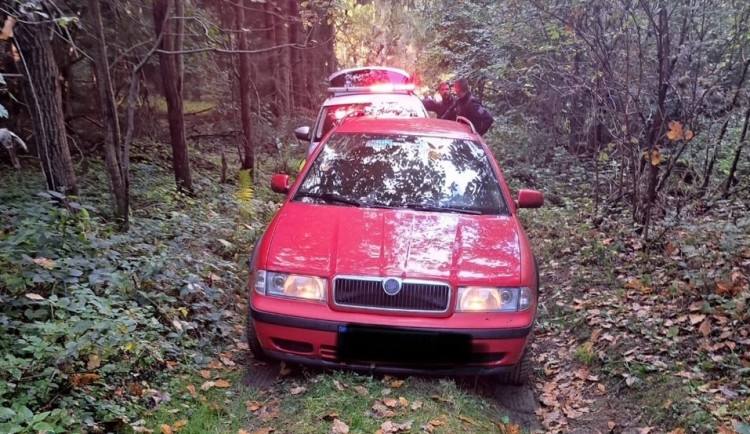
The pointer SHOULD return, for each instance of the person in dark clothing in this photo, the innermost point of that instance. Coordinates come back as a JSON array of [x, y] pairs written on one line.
[[469, 107], [446, 100]]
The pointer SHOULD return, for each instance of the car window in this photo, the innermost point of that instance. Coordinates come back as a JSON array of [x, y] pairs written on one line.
[[333, 115], [404, 171]]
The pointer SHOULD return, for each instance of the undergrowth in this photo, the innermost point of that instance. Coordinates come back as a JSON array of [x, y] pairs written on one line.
[[94, 322]]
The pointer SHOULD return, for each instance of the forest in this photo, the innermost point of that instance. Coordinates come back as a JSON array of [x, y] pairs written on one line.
[[139, 138]]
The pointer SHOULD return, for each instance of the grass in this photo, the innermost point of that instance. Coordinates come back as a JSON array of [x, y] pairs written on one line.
[[309, 403]]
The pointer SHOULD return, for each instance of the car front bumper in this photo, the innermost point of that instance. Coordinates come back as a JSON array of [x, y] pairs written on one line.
[[438, 351]]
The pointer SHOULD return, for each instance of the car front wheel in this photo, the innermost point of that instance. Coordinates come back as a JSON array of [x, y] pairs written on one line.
[[253, 342], [521, 372]]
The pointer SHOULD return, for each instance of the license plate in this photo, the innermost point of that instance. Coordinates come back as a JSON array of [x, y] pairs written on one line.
[[398, 345]]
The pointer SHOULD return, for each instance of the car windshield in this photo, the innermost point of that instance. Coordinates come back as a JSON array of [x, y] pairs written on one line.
[[427, 173], [333, 115]]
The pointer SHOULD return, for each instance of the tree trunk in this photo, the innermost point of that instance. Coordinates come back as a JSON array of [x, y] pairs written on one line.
[[273, 55], [43, 95], [248, 160], [295, 30], [171, 67], [284, 66], [656, 130], [112, 137]]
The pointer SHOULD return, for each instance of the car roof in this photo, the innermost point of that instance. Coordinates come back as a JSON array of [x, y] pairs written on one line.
[[420, 126], [360, 98]]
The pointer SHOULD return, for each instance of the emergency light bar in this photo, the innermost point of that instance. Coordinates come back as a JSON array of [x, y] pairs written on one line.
[[375, 88]]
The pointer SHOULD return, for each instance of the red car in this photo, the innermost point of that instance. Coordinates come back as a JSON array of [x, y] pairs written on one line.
[[398, 249]]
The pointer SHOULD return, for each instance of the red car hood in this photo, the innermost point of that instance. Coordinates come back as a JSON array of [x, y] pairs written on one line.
[[336, 240]]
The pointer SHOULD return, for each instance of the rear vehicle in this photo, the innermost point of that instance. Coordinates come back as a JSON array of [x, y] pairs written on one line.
[[398, 249], [372, 91]]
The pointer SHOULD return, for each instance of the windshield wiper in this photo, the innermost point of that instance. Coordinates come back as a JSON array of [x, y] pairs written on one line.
[[434, 208], [330, 197]]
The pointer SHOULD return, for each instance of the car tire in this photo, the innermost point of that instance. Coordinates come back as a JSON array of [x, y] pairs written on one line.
[[252, 340], [521, 372]]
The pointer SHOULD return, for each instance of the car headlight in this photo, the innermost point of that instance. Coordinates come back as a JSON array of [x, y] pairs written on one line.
[[290, 285], [491, 299]]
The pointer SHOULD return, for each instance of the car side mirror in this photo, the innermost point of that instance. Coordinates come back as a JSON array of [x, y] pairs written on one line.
[[303, 133], [530, 199], [280, 183]]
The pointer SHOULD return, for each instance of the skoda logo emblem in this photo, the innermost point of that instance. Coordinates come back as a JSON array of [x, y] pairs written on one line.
[[392, 286]]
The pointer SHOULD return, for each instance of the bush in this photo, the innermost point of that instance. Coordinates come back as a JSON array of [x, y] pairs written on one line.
[[93, 322]]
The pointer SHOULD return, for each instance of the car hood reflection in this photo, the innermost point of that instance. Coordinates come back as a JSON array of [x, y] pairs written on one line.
[[335, 240]]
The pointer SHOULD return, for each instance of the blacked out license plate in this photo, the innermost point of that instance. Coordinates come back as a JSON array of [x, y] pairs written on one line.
[[400, 345]]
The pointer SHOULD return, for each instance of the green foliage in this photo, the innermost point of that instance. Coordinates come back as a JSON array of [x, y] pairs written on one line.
[[86, 313]]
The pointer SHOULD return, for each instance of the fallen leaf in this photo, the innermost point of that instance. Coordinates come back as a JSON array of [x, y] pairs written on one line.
[[192, 390], [595, 335], [396, 384], [180, 424], [403, 402], [390, 402], [331, 415], [338, 385], [252, 405], [390, 427], [442, 399], [83, 380], [265, 430], [215, 364], [207, 385], [206, 374], [222, 383], [297, 390], [696, 318], [339, 427], [467, 419], [166, 429], [611, 425], [705, 328], [582, 373], [94, 362], [361, 390], [416, 405], [45, 263], [270, 411], [677, 431], [284, 370], [633, 283]]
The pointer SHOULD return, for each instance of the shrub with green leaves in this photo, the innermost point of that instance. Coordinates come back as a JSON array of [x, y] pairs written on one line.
[[92, 321]]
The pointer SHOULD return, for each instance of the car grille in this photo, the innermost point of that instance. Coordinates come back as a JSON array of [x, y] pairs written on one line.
[[419, 296]]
